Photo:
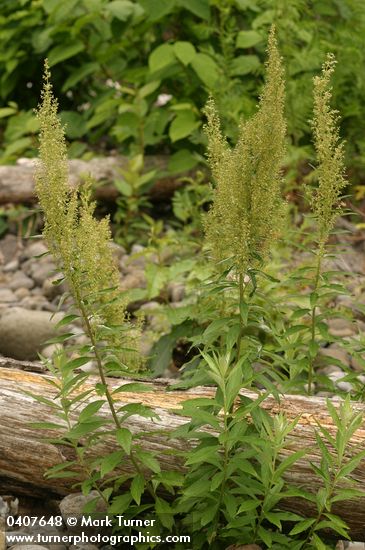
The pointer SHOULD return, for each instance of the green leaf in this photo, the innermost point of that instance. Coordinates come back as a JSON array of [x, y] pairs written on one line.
[[164, 512], [313, 299], [124, 439], [121, 9], [156, 9], [247, 39], [90, 410], [79, 74], [206, 454], [184, 51], [148, 460], [313, 349], [181, 161], [76, 363], [120, 504], [83, 429], [110, 462], [67, 320], [197, 7], [133, 387], [161, 57], [206, 69], [137, 488], [183, 125], [75, 124], [249, 505], [7, 111], [302, 526], [65, 51], [244, 64]]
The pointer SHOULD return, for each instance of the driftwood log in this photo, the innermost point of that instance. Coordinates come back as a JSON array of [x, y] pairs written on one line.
[[24, 457], [17, 182]]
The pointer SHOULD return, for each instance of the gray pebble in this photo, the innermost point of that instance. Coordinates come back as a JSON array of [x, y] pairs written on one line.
[[20, 280], [21, 293], [35, 248], [7, 296], [41, 271], [137, 279], [11, 266]]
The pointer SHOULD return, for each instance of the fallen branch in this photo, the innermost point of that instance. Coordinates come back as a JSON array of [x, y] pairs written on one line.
[[17, 182], [24, 457]]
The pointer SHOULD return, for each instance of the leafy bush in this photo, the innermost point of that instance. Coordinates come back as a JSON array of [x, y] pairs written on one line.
[[132, 76]]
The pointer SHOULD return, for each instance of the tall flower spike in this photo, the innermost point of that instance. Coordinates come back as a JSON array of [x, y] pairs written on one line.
[[79, 243], [325, 201], [247, 209]]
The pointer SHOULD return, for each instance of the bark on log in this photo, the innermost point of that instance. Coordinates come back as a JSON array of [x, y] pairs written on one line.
[[17, 182], [24, 457]]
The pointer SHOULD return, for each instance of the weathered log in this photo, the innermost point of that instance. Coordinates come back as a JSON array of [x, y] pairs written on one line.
[[24, 457], [17, 182]]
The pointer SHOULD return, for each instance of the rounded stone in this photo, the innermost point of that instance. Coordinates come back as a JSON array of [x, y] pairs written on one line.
[[34, 249], [20, 280], [7, 296], [40, 271], [11, 266], [21, 293], [23, 332]]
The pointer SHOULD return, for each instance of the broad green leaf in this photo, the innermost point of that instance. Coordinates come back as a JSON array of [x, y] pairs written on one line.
[[120, 504], [181, 161], [124, 438], [161, 57], [137, 488], [65, 51], [90, 410], [247, 39], [302, 526], [250, 504], [313, 349], [83, 429], [206, 69], [148, 460], [184, 51], [244, 64], [121, 9], [7, 111], [75, 124], [199, 8], [164, 512], [110, 462], [156, 9], [79, 74], [76, 363], [183, 125], [67, 320]]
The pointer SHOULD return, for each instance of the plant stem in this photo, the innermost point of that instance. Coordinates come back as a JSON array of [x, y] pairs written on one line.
[[313, 319], [240, 333], [108, 396]]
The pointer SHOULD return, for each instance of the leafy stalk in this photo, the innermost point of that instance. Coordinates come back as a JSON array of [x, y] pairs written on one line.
[[326, 199]]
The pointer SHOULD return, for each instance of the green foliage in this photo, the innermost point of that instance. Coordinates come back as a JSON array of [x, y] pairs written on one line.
[[237, 457], [116, 64]]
